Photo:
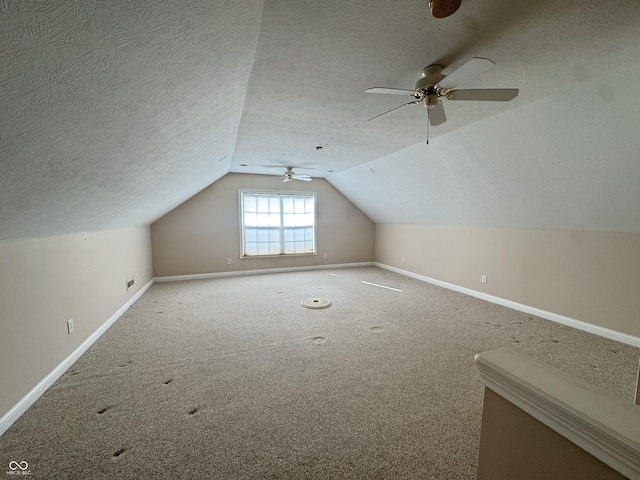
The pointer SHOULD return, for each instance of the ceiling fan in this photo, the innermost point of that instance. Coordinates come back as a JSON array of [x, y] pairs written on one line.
[[434, 85], [291, 175]]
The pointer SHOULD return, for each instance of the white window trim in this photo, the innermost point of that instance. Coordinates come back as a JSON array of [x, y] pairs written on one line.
[[279, 193]]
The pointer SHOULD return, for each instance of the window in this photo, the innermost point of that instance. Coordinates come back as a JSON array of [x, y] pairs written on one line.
[[277, 223]]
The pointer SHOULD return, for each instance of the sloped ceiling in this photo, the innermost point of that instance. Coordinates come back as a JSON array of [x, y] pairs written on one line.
[[569, 161], [114, 113]]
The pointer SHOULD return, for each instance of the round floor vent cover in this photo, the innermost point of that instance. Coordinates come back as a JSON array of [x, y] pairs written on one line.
[[316, 303]]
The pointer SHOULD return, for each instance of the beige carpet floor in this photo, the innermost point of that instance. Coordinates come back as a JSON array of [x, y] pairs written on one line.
[[232, 378]]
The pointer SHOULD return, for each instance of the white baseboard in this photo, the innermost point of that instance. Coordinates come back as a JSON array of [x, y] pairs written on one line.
[[554, 317], [14, 413], [239, 273], [36, 392]]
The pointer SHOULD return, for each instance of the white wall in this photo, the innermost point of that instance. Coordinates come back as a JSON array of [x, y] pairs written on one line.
[[202, 233], [46, 281], [586, 276]]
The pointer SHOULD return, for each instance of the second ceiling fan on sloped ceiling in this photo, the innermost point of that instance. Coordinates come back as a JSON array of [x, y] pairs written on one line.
[[290, 175], [434, 86]]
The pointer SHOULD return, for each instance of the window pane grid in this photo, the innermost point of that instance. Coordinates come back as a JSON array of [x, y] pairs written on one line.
[[277, 224]]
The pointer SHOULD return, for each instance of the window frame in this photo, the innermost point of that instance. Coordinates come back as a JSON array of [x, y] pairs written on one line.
[[280, 194]]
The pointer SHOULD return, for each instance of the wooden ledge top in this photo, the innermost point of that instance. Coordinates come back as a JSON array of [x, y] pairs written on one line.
[[604, 425]]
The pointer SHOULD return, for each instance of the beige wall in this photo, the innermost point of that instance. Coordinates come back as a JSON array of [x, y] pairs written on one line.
[[588, 276], [638, 388], [202, 233], [46, 281], [514, 445]]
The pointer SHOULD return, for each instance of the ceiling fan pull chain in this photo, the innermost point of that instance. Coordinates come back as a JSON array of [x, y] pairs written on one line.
[[428, 122]]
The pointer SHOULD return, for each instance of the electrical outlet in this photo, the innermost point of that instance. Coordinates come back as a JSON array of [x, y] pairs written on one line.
[[402, 259], [70, 326], [483, 279], [129, 284], [326, 255], [228, 261]]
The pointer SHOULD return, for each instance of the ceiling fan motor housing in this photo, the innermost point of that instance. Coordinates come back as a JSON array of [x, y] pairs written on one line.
[[431, 76]]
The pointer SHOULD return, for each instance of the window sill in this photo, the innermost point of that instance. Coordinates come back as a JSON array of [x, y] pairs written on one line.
[[281, 255]]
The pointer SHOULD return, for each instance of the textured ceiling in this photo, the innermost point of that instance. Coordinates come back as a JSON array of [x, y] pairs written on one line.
[[315, 59], [114, 113], [569, 161]]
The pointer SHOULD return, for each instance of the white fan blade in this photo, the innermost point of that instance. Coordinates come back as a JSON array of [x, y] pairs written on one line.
[[486, 94], [436, 115], [394, 108], [392, 91], [472, 68], [304, 178]]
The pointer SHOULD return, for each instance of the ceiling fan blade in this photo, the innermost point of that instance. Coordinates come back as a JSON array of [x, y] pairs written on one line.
[[392, 91], [487, 94], [436, 115], [472, 68], [394, 108], [304, 178]]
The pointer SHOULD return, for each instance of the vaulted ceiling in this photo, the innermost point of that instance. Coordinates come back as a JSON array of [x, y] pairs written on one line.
[[114, 113]]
